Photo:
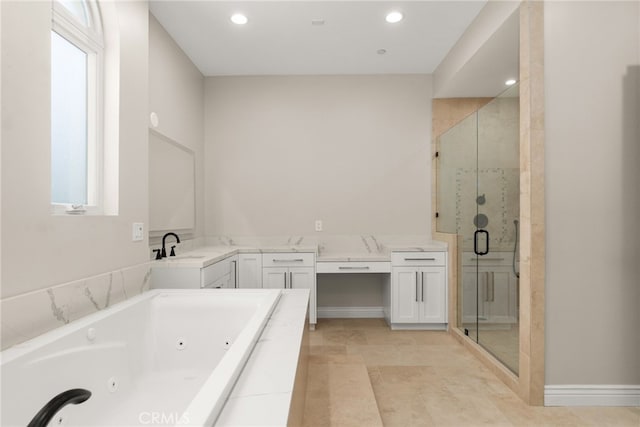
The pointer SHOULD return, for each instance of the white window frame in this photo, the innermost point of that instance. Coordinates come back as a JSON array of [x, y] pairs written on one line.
[[89, 39]]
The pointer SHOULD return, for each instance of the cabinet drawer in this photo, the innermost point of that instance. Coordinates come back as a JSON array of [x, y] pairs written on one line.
[[215, 271], [353, 267], [290, 259], [418, 258]]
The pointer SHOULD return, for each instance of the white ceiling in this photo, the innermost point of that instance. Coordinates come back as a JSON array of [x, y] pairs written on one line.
[[279, 38]]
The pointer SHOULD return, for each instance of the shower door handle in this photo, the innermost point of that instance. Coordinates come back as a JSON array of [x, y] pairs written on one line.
[[475, 242]]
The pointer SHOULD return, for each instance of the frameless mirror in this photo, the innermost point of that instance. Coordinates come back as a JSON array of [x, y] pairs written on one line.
[[171, 185]]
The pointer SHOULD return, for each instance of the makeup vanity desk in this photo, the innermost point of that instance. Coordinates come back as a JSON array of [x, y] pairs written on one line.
[[415, 286]]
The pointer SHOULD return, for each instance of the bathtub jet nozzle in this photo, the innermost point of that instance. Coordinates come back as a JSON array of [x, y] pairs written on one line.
[[48, 411]]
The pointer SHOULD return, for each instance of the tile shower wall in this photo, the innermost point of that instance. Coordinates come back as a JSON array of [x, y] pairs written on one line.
[[484, 148]]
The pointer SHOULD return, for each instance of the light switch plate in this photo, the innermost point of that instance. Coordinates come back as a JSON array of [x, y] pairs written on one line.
[[138, 232]]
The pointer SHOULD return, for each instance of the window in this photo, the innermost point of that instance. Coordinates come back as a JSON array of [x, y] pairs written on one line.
[[77, 57]]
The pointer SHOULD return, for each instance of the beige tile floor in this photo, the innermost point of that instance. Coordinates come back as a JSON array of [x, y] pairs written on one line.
[[363, 374], [500, 340]]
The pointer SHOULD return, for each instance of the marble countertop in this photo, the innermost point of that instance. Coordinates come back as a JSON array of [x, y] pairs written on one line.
[[205, 256], [208, 255], [353, 257], [380, 255], [433, 246]]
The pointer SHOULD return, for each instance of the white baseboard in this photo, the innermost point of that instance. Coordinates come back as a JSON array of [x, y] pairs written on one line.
[[592, 395], [350, 312]]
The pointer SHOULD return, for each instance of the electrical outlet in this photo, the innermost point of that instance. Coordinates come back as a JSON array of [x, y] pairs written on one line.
[[318, 225], [138, 232]]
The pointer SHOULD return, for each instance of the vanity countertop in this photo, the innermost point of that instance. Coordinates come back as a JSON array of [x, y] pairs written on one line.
[[433, 246], [353, 257], [205, 256]]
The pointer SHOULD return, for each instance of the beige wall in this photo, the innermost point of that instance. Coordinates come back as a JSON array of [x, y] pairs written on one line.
[[592, 71], [352, 151], [41, 250], [176, 95]]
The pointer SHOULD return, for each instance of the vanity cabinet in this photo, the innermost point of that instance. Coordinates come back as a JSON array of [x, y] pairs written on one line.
[[224, 276], [221, 274], [419, 289], [250, 271], [490, 287], [291, 271]]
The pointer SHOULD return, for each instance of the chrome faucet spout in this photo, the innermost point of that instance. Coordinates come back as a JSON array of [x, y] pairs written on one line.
[[163, 253]]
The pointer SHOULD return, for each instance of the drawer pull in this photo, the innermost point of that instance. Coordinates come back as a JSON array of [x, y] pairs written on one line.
[[289, 260], [353, 268], [419, 259]]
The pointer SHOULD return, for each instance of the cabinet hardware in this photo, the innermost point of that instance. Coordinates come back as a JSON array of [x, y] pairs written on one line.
[[235, 273], [288, 260], [422, 282], [353, 268], [419, 259], [290, 280], [416, 286], [486, 286], [493, 286], [285, 279]]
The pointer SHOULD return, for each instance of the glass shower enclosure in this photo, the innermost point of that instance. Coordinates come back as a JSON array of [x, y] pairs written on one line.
[[478, 199]]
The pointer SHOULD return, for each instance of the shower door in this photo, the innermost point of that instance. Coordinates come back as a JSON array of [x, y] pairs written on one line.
[[498, 210], [478, 199]]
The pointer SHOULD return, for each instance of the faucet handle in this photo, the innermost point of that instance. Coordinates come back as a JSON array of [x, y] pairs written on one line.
[[157, 251], [163, 253], [173, 252]]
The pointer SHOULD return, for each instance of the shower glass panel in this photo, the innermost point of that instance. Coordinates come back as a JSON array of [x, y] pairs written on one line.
[[498, 186], [478, 199], [455, 199]]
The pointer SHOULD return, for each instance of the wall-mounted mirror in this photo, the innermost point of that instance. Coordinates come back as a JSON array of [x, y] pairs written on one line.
[[172, 199]]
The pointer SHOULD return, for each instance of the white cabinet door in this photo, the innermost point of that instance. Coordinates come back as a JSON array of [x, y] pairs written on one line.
[[419, 295], [275, 277], [404, 295], [304, 278], [496, 294], [250, 271], [433, 299], [232, 281], [469, 295]]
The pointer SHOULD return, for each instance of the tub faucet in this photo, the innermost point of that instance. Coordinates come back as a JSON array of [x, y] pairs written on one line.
[[48, 411], [163, 253]]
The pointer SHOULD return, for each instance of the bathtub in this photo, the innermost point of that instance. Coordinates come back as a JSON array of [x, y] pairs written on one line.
[[167, 357]]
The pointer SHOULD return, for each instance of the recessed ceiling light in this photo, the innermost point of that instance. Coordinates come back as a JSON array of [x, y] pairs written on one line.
[[510, 82], [381, 51], [239, 19], [393, 17]]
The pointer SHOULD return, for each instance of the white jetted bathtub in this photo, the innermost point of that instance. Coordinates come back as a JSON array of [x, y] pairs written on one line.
[[167, 357]]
